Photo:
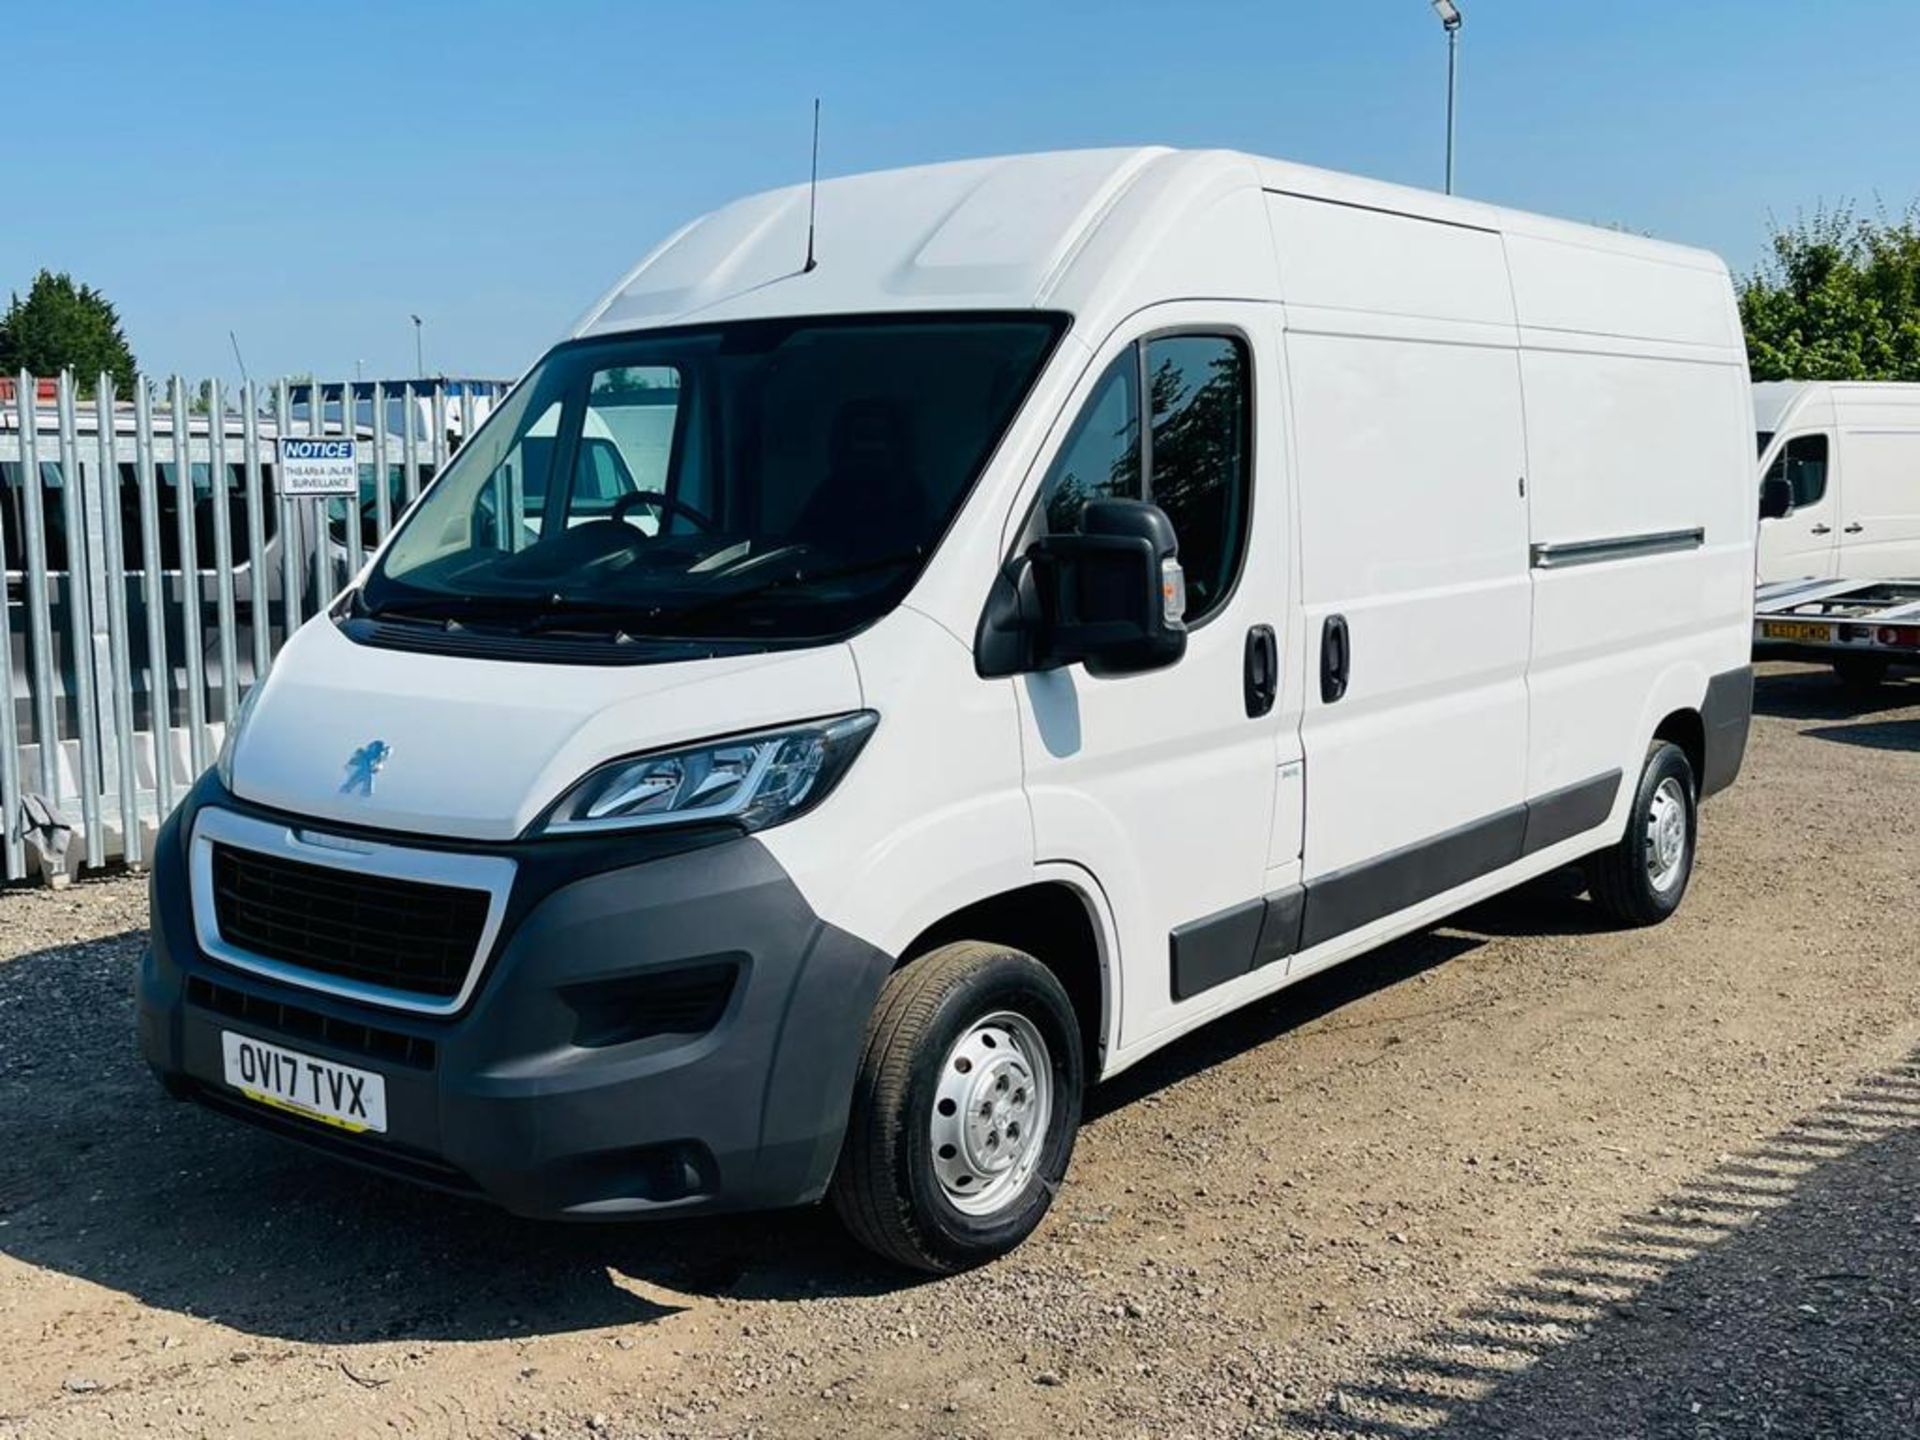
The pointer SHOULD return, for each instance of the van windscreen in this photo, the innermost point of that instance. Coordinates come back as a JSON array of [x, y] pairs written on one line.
[[766, 480]]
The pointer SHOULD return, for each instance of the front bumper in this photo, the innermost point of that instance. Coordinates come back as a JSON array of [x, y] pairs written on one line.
[[551, 1092]]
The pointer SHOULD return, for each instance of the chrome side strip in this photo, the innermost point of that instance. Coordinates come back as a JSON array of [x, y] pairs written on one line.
[[1617, 547]]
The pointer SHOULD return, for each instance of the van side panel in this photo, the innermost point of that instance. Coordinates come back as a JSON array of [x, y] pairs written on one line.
[[1880, 501], [1412, 528], [1641, 514]]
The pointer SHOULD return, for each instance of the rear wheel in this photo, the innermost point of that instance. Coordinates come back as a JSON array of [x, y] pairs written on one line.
[[1642, 879], [1860, 672], [965, 1109]]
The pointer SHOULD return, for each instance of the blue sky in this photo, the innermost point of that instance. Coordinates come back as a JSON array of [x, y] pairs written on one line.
[[309, 175]]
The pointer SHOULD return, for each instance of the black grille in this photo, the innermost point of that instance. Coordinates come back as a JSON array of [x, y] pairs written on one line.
[[400, 934], [297, 1022]]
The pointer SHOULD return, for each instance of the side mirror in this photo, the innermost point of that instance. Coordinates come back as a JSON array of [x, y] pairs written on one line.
[[1111, 596], [1776, 497]]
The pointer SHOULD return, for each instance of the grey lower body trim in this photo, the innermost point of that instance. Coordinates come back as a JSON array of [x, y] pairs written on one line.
[[1572, 810], [1725, 716], [1346, 899], [1224, 946], [1234, 942], [1615, 547]]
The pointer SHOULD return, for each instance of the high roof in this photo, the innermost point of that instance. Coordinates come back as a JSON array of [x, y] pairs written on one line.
[[1071, 230]]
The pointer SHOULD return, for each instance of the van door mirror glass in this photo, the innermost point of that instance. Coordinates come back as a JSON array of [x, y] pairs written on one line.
[[1110, 595], [1776, 497]]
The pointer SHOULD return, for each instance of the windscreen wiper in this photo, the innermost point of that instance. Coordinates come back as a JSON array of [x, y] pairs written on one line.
[[444, 609], [732, 598]]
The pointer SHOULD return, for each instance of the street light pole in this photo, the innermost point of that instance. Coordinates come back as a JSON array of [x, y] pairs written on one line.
[[1452, 19], [419, 354]]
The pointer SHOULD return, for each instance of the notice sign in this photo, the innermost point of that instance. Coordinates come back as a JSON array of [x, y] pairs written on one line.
[[313, 466]]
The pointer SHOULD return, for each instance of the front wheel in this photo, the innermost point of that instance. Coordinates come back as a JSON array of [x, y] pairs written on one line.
[[1642, 879], [964, 1111]]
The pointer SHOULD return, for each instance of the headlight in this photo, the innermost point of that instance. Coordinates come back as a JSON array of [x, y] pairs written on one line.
[[243, 712], [752, 780]]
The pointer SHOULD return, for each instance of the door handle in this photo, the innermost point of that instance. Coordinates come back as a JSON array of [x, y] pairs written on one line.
[[1855, 528], [1261, 680], [1336, 658], [1821, 530]]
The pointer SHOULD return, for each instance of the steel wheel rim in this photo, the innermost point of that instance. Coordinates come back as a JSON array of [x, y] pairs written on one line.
[[1667, 839], [992, 1107]]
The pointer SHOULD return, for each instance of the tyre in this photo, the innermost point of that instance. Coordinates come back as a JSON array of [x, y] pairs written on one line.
[[1860, 672], [965, 1108], [1642, 879]]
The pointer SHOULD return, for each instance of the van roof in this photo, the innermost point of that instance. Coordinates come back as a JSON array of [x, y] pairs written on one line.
[[1827, 402], [1067, 230]]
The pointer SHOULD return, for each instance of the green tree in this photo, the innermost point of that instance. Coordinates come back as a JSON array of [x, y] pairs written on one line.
[[61, 325], [1837, 298]]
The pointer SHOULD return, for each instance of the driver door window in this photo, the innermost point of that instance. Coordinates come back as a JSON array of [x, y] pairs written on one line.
[[1193, 458], [1803, 463]]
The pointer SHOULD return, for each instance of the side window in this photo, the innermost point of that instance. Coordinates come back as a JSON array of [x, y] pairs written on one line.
[[1192, 460], [1197, 457], [1803, 461]]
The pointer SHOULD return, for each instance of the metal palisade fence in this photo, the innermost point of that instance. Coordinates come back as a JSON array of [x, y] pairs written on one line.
[[154, 564]]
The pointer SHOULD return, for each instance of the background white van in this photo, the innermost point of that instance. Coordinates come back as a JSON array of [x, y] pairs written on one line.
[[1850, 451], [1103, 589]]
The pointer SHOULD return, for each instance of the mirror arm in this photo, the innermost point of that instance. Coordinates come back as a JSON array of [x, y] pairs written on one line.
[[1009, 638]]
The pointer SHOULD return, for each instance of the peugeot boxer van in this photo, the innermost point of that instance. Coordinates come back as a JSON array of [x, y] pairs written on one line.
[[841, 706], [1849, 455]]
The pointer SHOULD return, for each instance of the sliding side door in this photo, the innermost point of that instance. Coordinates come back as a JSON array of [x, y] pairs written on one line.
[[1413, 535]]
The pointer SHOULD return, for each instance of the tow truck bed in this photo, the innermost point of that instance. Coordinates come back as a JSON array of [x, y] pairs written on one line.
[[1858, 626]]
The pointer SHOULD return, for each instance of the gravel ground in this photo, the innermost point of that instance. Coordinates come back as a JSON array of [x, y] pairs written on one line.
[[1517, 1175]]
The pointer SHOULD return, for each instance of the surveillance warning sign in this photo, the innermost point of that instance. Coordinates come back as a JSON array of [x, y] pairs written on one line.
[[312, 466]]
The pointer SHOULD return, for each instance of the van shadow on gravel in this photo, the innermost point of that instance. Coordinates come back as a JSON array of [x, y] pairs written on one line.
[[104, 1178], [1778, 1294], [1812, 693]]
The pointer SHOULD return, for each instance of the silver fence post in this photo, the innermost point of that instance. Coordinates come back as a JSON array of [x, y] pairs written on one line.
[[13, 856], [290, 567], [382, 493], [356, 544], [191, 626], [219, 496], [40, 667], [153, 587], [410, 447], [83, 582], [439, 436], [116, 717], [256, 532], [316, 508]]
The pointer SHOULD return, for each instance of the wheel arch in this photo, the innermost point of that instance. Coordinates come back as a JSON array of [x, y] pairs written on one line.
[[1688, 730], [1061, 919]]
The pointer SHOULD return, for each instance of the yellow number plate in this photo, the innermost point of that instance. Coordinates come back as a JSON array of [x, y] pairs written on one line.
[[1795, 630]]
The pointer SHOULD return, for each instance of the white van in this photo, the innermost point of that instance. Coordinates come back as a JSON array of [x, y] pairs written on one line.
[[1103, 589], [1850, 456]]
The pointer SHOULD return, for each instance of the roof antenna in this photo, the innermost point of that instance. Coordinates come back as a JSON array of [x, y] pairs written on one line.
[[813, 188]]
